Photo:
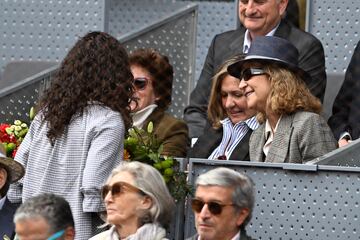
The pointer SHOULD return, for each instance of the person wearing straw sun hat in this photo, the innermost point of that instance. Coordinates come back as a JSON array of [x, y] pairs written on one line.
[[291, 129], [10, 171]]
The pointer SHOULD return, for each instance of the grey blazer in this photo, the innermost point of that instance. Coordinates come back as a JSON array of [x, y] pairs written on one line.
[[299, 137], [228, 44]]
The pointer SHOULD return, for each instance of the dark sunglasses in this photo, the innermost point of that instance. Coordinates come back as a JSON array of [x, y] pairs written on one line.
[[248, 73], [140, 83], [117, 188], [214, 207]]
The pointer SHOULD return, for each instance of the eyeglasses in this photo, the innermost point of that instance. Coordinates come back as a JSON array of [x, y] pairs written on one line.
[[140, 83], [214, 207], [56, 235], [248, 73], [117, 188]]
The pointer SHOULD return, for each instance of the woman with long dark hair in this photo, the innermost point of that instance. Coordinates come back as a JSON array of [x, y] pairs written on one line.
[[76, 139]]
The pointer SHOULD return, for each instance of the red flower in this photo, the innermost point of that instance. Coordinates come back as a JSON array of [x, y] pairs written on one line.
[[14, 152]]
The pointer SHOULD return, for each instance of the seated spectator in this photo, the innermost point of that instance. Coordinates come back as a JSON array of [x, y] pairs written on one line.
[[292, 129], [232, 121], [258, 18], [345, 119], [77, 137], [138, 203], [222, 205], [10, 172], [153, 77], [45, 216]]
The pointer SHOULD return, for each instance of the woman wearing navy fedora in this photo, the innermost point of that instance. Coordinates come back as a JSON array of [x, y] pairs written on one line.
[[291, 128]]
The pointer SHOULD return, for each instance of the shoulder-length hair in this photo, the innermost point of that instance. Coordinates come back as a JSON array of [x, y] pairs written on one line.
[[96, 70], [288, 93], [161, 71], [216, 111], [150, 182]]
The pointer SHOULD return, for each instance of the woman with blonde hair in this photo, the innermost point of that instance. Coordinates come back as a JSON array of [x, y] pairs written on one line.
[[232, 122], [292, 129]]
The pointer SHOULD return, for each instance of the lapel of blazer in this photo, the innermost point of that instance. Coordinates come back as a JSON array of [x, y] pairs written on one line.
[[237, 42], [257, 141], [207, 143], [278, 152], [283, 30], [241, 151], [154, 117]]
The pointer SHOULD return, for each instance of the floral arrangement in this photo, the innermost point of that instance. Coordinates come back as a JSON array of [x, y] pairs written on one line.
[[11, 136], [143, 146]]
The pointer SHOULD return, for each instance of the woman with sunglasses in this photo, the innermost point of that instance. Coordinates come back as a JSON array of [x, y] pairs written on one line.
[[153, 77], [232, 122], [138, 203], [292, 129], [77, 137]]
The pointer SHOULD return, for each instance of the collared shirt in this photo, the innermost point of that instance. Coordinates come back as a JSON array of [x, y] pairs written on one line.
[[236, 237], [269, 135], [2, 202], [232, 135], [140, 116], [247, 39]]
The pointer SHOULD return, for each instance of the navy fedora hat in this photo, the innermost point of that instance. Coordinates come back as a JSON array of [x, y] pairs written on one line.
[[14, 168], [266, 49]]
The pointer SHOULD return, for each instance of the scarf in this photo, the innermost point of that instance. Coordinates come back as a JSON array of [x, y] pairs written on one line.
[[149, 231]]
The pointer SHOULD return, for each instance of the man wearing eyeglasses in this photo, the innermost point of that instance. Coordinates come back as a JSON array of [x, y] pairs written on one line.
[[46, 216], [258, 18], [222, 205]]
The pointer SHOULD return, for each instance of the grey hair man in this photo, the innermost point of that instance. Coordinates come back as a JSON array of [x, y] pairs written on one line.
[[222, 205], [45, 216]]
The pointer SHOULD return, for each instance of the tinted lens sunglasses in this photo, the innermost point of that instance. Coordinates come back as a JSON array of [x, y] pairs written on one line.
[[248, 73], [140, 83], [214, 207], [117, 188]]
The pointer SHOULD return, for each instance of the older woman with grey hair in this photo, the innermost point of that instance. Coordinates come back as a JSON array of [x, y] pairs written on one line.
[[138, 203]]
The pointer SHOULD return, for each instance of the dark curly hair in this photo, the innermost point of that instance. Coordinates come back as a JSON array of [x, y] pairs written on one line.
[[160, 70], [96, 70]]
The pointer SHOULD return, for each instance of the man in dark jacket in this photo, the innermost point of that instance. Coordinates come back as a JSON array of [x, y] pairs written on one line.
[[345, 121], [258, 18], [222, 205]]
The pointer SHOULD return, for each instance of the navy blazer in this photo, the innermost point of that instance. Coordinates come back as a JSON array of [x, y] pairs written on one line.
[[228, 44], [243, 236], [211, 139], [6, 219]]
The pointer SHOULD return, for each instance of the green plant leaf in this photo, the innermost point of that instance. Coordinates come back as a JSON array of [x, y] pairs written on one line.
[[150, 127]]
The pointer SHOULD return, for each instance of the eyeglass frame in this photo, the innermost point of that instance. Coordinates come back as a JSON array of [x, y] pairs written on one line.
[[56, 235], [210, 205], [248, 73], [141, 79], [107, 188]]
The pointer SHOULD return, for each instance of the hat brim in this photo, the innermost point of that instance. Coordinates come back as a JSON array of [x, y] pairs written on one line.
[[235, 69], [17, 170]]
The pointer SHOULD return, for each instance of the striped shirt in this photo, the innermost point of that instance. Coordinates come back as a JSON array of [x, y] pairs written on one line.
[[232, 135], [76, 167]]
